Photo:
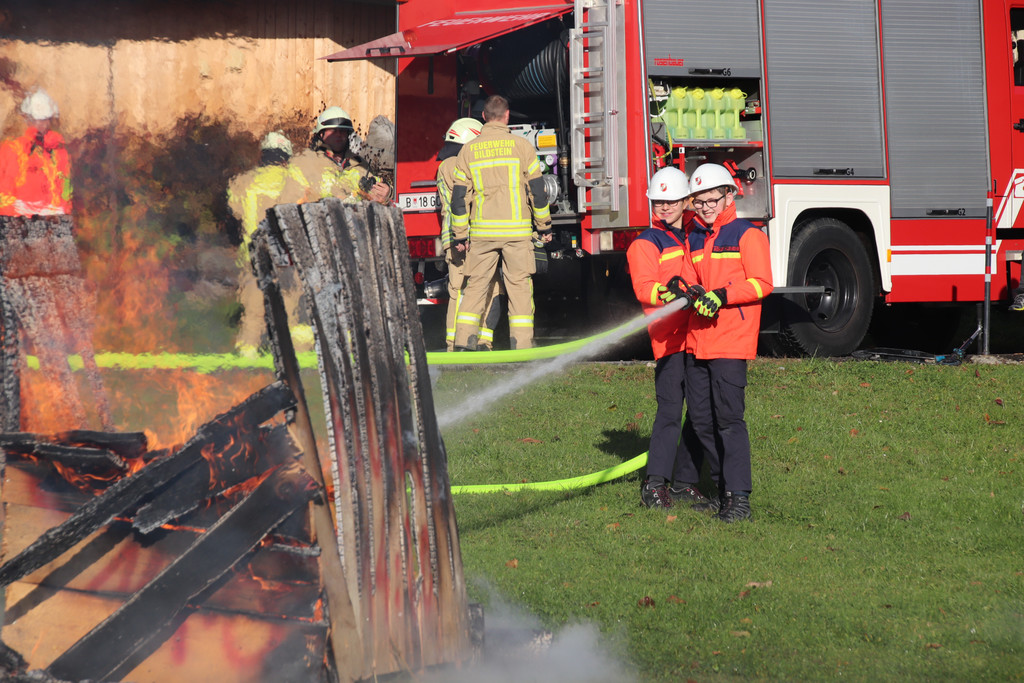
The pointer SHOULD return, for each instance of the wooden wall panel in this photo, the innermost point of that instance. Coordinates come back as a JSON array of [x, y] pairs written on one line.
[[255, 65]]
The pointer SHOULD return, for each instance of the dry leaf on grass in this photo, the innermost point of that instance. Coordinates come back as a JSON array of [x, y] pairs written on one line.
[[759, 584], [530, 440], [905, 516], [512, 564], [740, 634], [646, 601]]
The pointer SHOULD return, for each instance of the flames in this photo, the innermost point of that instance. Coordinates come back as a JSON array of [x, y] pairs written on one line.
[[136, 311]]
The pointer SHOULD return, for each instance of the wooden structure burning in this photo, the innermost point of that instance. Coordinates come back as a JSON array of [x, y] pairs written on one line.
[[233, 557]]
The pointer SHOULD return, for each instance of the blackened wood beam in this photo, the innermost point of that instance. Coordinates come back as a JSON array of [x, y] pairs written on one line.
[[129, 491], [345, 639], [241, 460], [10, 376], [125, 444], [99, 653]]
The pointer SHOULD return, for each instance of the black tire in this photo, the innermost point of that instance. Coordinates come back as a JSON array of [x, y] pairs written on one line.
[[826, 252]]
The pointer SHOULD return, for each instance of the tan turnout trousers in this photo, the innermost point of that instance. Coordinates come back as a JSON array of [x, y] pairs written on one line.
[[517, 267]]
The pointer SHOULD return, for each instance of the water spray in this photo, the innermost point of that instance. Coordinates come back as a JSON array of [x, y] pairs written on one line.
[[594, 345]]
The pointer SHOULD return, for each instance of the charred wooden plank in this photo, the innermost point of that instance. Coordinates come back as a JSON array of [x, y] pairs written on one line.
[[125, 444], [128, 445], [131, 627], [346, 640], [129, 491], [10, 377], [87, 460], [244, 458]]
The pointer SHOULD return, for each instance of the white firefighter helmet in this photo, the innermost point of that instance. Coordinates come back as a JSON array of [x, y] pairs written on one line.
[[709, 176], [276, 140], [333, 117], [39, 106], [668, 184], [463, 130]]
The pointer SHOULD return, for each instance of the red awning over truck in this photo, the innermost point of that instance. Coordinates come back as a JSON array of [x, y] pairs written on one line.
[[449, 33]]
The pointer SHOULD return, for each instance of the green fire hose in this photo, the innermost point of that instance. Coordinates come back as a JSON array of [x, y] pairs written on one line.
[[212, 362], [579, 482]]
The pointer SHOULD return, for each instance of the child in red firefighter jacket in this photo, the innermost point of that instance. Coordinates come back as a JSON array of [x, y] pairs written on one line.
[[655, 260], [731, 262]]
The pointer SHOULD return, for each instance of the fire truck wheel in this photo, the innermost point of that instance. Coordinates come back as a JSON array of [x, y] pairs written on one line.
[[825, 252]]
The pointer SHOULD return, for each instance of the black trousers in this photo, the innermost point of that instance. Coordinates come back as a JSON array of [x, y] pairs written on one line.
[[715, 400], [669, 456]]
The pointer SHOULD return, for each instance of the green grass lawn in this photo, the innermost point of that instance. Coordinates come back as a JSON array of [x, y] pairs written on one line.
[[886, 542]]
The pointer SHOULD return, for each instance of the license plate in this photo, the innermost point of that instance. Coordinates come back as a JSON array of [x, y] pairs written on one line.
[[415, 202]]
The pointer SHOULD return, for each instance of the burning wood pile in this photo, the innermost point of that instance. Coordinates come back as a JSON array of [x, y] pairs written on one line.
[[232, 557]]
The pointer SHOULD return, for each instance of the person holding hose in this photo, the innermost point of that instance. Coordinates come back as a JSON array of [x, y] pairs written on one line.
[[498, 176], [732, 265], [459, 133], [655, 260]]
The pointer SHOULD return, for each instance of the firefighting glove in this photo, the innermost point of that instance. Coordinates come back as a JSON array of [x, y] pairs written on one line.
[[671, 291], [709, 303]]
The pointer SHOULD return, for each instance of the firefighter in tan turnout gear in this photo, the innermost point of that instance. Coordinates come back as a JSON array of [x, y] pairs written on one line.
[[274, 181], [458, 134], [331, 167], [497, 202]]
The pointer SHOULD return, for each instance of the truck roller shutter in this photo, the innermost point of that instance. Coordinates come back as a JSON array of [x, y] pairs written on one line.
[[935, 107], [693, 38], [823, 89]]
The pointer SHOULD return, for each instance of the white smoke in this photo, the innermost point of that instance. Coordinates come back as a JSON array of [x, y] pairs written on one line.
[[517, 649]]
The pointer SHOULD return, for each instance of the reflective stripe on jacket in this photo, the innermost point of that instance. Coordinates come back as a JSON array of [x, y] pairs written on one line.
[[654, 258], [35, 179], [733, 254], [328, 179], [495, 169], [252, 193], [445, 182]]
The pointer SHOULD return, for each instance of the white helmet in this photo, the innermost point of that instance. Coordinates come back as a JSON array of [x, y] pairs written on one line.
[[668, 184], [463, 130], [333, 117], [39, 106], [709, 176], [276, 140]]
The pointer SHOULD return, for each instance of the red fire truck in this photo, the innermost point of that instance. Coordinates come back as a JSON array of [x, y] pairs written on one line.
[[879, 142]]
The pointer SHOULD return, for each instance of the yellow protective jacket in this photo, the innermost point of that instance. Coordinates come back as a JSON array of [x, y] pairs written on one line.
[[329, 179], [495, 168], [252, 193], [445, 182]]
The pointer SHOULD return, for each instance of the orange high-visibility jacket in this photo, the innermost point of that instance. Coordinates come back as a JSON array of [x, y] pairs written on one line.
[[35, 176], [732, 254], [655, 257]]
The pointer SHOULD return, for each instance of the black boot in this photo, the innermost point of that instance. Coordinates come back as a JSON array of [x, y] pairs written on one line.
[[711, 504], [735, 506]]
